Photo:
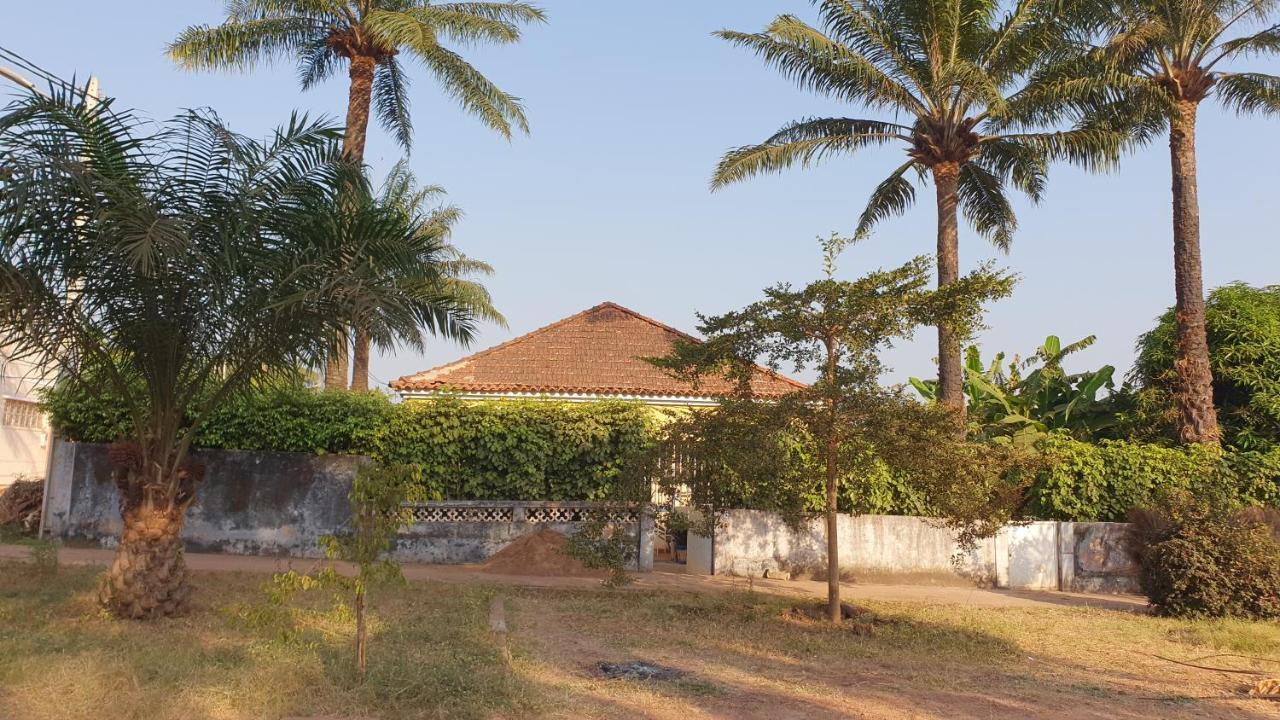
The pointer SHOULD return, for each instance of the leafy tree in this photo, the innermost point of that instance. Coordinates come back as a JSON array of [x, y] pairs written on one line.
[[973, 86], [178, 265], [377, 499], [1004, 404], [1161, 59], [844, 425], [1243, 330], [369, 36]]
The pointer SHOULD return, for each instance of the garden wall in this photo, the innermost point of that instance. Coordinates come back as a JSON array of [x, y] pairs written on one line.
[[269, 503], [1045, 555]]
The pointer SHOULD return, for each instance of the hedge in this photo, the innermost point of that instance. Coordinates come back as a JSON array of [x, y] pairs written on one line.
[[510, 450], [535, 450], [1104, 481]]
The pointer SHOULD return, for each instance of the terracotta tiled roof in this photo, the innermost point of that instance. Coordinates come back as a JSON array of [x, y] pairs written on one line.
[[599, 351]]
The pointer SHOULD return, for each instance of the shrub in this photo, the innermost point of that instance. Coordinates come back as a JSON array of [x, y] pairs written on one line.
[[508, 450], [1104, 481], [1200, 558], [515, 450]]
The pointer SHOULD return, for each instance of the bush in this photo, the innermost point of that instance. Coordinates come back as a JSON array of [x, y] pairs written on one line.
[[500, 450], [516, 450], [1104, 481], [1199, 558]]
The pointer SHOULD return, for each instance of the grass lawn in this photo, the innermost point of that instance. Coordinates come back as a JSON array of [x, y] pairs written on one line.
[[746, 655]]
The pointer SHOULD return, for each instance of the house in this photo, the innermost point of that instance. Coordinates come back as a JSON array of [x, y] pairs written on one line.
[[598, 354]]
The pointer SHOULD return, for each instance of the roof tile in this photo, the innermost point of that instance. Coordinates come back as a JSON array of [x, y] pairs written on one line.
[[599, 351]]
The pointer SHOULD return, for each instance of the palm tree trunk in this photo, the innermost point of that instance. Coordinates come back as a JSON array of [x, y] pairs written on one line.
[[359, 96], [946, 178], [335, 371], [148, 577], [1198, 420], [360, 363]]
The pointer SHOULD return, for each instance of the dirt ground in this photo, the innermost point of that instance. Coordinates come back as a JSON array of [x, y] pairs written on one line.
[[746, 650]]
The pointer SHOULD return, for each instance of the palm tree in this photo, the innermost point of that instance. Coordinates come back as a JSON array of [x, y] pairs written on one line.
[[976, 90], [1163, 58], [442, 280], [179, 266], [369, 35]]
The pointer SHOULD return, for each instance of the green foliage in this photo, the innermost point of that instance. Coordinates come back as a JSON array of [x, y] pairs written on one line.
[[325, 36], [600, 545], [1243, 325], [960, 88], [377, 498], [1200, 558], [844, 426], [1005, 405], [1106, 480], [518, 450]]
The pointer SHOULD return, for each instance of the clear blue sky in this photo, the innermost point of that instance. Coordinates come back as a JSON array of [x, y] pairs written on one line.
[[631, 104]]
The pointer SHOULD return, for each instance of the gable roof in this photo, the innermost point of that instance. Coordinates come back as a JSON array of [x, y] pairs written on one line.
[[599, 351]]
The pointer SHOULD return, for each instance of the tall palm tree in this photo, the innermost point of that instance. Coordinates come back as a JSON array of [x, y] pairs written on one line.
[[369, 35], [974, 86], [1163, 58], [178, 265]]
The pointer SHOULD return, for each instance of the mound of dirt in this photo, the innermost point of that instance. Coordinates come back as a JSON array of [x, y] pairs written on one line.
[[542, 553], [20, 504]]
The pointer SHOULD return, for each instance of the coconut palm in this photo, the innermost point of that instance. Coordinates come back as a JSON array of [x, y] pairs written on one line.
[[178, 265], [369, 36], [1169, 56], [974, 90]]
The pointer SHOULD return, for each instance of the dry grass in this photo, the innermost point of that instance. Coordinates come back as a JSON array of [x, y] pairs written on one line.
[[746, 654]]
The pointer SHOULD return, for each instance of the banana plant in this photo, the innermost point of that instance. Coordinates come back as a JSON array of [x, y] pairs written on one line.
[[1003, 403]]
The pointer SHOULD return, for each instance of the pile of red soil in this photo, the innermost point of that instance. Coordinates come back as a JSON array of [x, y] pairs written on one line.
[[541, 553]]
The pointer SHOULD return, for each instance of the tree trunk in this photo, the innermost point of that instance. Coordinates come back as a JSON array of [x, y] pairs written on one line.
[[950, 374], [1198, 420], [335, 371], [833, 543], [360, 363], [359, 96], [148, 578], [362, 661]]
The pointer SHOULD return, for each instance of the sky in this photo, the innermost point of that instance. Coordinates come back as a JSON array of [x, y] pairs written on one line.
[[631, 104]]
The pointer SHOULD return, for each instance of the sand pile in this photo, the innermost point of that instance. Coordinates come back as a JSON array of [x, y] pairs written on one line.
[[542, 552]]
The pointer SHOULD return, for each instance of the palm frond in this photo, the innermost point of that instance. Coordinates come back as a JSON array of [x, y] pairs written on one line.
[[891, 198], [474, 92], [243, 44], [984, 204], [803, 143], [391, 101], [1249, 92]]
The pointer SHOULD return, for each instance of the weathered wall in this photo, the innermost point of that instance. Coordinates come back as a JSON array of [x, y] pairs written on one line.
[[249, 503], [1083, 557], [262, 503]]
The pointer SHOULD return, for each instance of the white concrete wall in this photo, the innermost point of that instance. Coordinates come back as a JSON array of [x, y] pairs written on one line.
[[757, 543], [1041, 555]]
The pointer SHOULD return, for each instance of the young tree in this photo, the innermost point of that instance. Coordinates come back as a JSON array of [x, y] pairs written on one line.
[[844, 424], [180, 264], [967, 79], [377, 499], [1163, 58], [368, 35]]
